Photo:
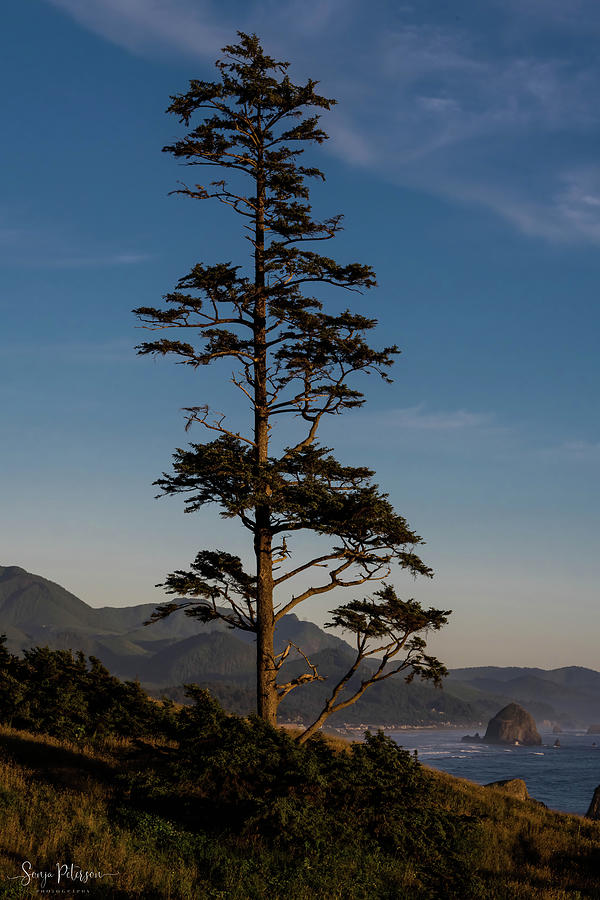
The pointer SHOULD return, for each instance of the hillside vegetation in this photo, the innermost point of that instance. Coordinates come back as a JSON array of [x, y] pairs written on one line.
[[200, 804]]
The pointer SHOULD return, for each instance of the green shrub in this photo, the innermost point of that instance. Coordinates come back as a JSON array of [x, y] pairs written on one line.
[[247, 784], [59, 693]]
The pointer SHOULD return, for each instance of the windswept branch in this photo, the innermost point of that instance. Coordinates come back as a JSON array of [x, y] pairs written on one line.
[[387, 626], [215, 578]]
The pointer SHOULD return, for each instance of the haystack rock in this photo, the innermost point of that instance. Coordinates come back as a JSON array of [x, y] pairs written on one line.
[[512, 725]]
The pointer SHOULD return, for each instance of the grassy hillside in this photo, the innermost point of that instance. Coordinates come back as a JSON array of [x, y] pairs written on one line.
[[63, 802]]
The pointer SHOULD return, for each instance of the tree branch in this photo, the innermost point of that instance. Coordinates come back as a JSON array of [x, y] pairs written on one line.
[[306, 678]]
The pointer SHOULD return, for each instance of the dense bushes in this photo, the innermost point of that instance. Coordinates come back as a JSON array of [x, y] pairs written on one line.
[[60, 693], [249, 785], [231, 794]]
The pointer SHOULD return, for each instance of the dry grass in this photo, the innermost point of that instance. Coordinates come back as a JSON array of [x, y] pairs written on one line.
[[527, 851], [56, 799], [54, 805], [334, 741]]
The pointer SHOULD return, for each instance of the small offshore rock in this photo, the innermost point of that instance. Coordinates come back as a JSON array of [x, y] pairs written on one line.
[[471, 738], [594, 810]]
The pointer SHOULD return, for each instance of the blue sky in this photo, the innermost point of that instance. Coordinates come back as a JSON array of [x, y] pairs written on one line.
[[464, 155]]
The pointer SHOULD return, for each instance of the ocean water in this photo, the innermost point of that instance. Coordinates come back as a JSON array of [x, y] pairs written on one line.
[[563, 778]]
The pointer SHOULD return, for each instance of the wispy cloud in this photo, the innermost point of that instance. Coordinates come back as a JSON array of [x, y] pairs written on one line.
[[418, 427], [74, 353], [461, 433], [489, 129], [574, 15], [100, 261], [577, 451], [418, 418], [579, 202], [41, 245], [149, 25], [463, 108], [199, 28], [74, 260], [349, 142], [567, 212]]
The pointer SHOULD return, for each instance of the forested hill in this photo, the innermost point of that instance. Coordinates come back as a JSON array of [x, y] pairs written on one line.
[[178, 650]]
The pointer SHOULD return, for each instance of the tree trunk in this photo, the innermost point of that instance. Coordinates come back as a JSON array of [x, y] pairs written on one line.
[[266, 691]]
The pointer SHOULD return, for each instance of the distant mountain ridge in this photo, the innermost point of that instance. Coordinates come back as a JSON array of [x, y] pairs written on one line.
[[34, 609], [178, 650], [569, 695]]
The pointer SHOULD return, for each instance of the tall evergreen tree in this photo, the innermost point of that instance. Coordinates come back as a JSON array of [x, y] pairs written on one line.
[[293, 358]]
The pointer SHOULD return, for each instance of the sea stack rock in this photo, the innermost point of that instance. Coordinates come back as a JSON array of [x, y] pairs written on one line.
[[594, 810], [512, 725]]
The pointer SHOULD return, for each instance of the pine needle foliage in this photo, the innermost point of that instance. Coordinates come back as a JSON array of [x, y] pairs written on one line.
[[61, 693], [292, 358]]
